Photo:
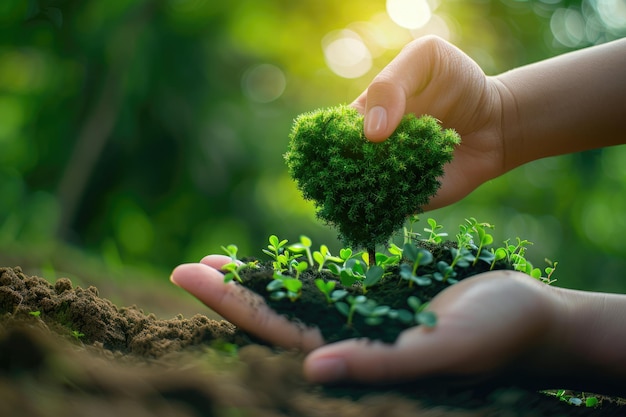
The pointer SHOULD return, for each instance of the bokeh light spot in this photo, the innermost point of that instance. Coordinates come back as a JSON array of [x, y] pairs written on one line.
[[568, 27], [612, 13], [409, 14], [264, 83], [437, 25], [346, 54]]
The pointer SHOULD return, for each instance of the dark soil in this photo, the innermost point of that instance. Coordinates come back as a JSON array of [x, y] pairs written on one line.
[[313, 309], [66, 351]]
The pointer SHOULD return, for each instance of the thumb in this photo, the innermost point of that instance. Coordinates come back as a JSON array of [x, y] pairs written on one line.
[[385, 100]]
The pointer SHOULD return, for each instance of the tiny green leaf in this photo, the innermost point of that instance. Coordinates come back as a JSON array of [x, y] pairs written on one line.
[[426, 318]]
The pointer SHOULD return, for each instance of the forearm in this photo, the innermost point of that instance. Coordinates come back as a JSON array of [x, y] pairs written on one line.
[[566, 104], [587, 345]]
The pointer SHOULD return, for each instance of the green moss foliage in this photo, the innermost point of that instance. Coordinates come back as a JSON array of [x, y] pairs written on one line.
[[366, 190]]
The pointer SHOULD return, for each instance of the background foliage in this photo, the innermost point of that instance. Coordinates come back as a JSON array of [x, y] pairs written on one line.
[[151, 132]]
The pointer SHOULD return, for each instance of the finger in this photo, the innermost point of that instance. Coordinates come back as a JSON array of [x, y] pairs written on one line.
[[215, 261], [242, 307], [479, 329], [405, 77]]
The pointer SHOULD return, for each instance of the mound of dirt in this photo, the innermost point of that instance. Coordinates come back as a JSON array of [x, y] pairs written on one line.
[[66, 351]]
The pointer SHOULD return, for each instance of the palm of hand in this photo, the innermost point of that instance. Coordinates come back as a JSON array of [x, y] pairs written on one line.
[[484, 322]]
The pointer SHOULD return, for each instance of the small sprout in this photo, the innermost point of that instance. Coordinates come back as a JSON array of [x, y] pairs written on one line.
[[405, 316], [373, 314], [233, 270], [425, 318], [345, 254], [35, 313], [338, 295], [445, 272], [292, 287], [549, 270], [303, 246], [498, 255], [394, 259], [326, 287], [323, 256], [77, 335], [352, 270], [231, 250], [348, 309], [372, 276], [483, 239], [434, 236], [409, 234], [275, 249], [222, 346], [419, 257]]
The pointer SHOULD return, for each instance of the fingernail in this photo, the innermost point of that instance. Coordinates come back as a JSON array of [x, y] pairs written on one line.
[[327, 370], [173, 280], [376, 120]]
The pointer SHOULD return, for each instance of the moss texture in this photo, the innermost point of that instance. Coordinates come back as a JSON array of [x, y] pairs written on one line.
[[367, 190]]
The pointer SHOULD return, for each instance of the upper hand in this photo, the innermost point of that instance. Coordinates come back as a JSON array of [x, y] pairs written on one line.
[[431, 76]]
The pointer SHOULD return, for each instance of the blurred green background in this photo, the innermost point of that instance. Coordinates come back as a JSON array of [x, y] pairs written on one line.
[[148, 133]]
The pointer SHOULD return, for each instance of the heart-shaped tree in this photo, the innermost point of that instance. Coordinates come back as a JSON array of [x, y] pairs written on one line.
[[364, 189]]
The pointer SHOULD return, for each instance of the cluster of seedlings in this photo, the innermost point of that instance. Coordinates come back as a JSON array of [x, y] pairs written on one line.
[[345, 280]]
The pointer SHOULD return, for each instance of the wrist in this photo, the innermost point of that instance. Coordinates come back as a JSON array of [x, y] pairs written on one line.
[[511, 128], [588, 339]]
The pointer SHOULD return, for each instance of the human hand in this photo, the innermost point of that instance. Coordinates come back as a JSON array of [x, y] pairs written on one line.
[[240, 306], [431, 76], [484, 323]]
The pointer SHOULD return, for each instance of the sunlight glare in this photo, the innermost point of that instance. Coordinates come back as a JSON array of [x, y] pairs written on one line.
[[263, 83], [409, 14], [346, 54], [437, 25]]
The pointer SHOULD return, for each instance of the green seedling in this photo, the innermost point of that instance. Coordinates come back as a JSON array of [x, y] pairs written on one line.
[[283, 260], [303, 246], [373, 275], [35, 313], [408, 232], [481, 239], [445, 272], [498, 255], [373, 313], [393, 258], [328, 289], [283, 286], [572, 398], [323, 256], [418, 257], [353, 269], [425, 318], [434, 236], [275, 250], [233, 269], [76, 334]]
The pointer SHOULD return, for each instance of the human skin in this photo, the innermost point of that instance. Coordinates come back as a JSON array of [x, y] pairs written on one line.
[[569, 103], [499, 322]]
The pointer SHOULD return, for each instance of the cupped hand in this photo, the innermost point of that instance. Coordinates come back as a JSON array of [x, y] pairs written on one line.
[[484, 323], [241, 306], [431, 76]]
